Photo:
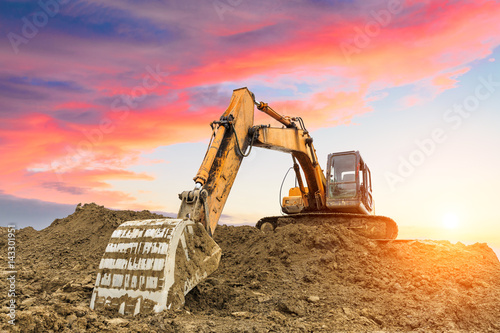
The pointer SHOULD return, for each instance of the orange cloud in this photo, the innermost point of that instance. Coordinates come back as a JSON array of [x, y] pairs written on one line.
[[448, 80], [325, 109]]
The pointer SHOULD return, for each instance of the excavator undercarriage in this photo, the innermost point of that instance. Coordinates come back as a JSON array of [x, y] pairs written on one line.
[[370, 226]]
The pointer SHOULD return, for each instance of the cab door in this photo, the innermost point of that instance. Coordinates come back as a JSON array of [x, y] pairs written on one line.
[[365, 186]]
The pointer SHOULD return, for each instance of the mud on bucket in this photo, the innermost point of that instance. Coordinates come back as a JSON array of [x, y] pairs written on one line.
[[150, 265]]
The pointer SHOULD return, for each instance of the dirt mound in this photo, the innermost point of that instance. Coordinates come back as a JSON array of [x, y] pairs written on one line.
[[297, 279]]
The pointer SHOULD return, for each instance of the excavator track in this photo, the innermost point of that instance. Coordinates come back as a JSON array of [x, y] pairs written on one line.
[[371, 226]]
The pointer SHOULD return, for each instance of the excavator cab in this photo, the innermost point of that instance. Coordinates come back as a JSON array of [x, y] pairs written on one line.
[[349, 188]]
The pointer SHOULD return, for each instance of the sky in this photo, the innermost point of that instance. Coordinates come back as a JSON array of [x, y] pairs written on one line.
[[110, 102]]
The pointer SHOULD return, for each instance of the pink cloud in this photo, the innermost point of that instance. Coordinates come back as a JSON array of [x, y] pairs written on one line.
[[429, 44]]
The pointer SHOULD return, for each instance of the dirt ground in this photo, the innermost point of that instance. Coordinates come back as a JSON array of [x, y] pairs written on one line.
[[296, 279]]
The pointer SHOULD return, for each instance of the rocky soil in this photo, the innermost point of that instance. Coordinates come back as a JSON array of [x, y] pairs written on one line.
[[296, 279]]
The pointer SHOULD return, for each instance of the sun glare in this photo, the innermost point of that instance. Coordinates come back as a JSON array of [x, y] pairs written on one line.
[[450, 221]]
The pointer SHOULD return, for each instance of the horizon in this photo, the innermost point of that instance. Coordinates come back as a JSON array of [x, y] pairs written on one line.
[[227, 220]]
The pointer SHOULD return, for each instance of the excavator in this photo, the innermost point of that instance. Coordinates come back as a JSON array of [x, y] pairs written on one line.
[[150, 265]]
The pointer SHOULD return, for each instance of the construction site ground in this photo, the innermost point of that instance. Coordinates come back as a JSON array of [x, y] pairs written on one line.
[[296, 279]]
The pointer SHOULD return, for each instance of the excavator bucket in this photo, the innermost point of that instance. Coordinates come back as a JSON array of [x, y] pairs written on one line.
[[150, 265]]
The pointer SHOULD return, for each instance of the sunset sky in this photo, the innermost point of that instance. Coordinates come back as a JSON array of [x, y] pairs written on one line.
[[110, 102]]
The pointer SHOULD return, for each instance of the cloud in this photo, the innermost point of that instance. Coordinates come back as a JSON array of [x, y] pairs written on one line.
[[449, 79], [104, 81], [59, 186]]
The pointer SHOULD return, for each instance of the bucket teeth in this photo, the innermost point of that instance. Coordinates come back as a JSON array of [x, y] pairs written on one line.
[[150, 265]]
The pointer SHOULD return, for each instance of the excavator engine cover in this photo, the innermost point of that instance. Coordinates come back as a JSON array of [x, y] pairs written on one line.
[[150, 265]]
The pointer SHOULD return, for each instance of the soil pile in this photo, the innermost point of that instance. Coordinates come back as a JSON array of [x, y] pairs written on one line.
[[298, 278]]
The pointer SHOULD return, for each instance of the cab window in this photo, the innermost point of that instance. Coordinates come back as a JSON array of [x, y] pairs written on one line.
[[342, 177]]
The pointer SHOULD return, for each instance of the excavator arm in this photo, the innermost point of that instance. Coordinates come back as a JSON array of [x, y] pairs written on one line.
[[298, 143], [233, 134], [151, 265]]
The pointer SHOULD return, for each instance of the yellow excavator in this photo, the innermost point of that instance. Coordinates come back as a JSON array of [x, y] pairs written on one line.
[[150, 265]]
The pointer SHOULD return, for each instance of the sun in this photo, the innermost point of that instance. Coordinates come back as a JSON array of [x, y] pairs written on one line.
[[450, 221]]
